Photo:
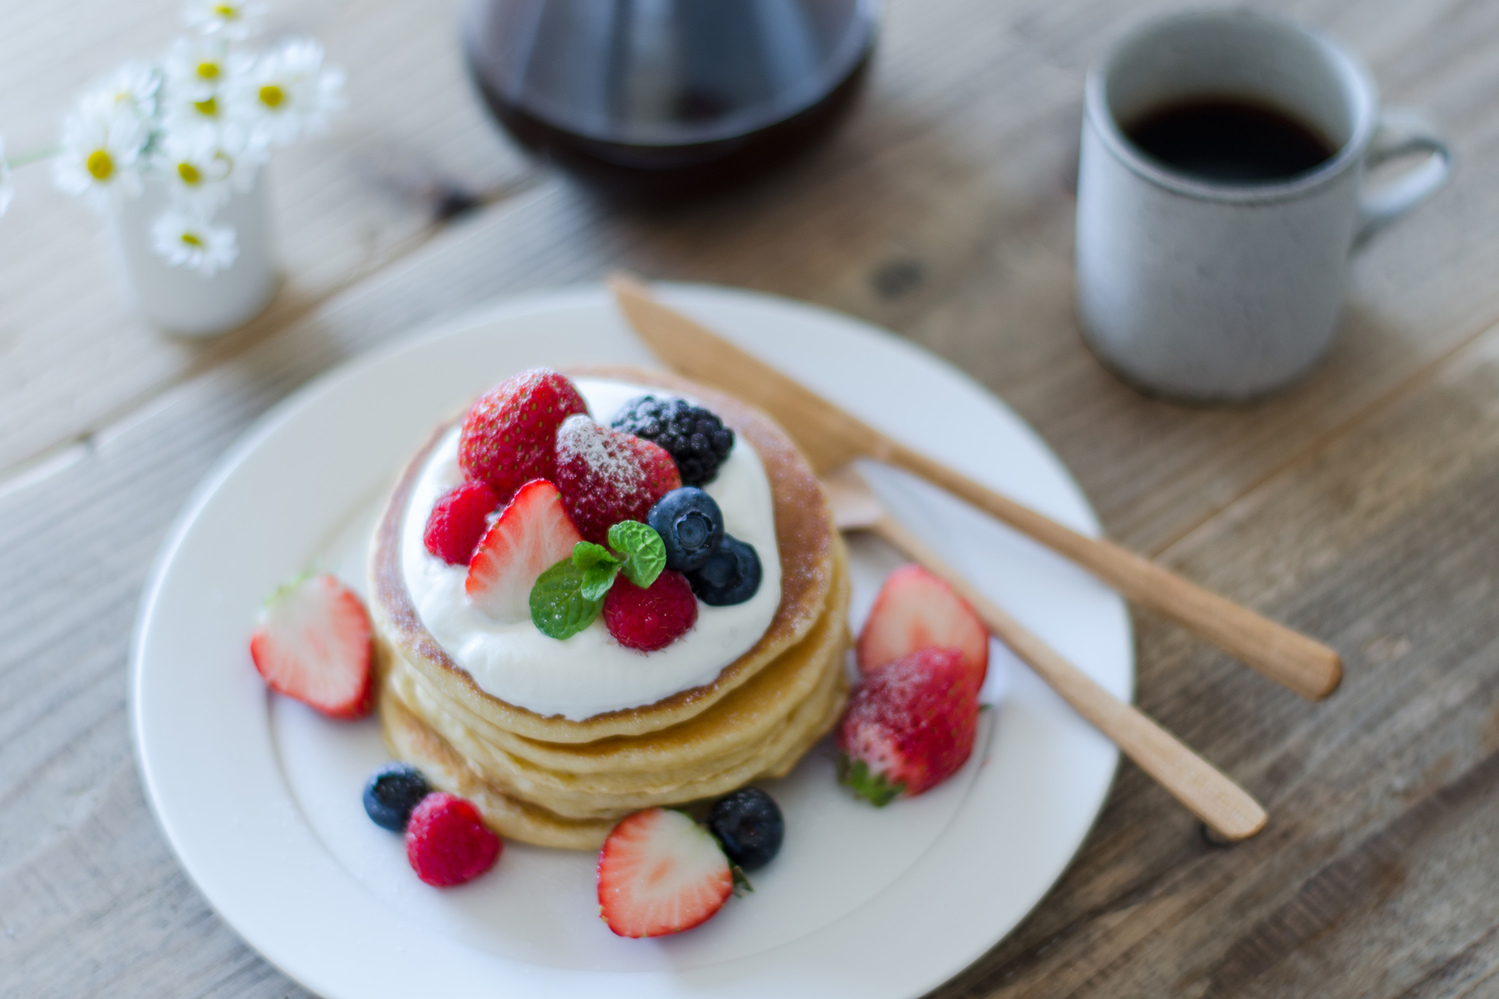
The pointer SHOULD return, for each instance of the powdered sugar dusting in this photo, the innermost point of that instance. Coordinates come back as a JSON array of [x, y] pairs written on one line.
[[604, 452]]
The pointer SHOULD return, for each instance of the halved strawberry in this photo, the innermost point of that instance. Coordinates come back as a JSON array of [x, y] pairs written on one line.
[[909, 726], [916, 610], [607, 476], [533, 534], [313, 643], [659, 873], [509, 432]]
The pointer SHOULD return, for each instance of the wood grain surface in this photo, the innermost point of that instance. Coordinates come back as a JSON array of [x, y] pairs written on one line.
[[1359, 506]]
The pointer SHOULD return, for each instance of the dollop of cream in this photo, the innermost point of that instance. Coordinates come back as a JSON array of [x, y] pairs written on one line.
[[590, 673]]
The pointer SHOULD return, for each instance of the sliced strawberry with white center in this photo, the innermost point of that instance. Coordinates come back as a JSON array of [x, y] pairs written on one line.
[[533, 534], [917, 610], [659, 873], [313, 643]]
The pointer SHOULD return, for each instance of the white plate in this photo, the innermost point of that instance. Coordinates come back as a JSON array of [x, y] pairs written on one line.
[[260, 796]]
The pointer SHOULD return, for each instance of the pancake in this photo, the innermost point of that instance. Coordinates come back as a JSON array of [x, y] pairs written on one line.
[[804, 535], [560, 782]]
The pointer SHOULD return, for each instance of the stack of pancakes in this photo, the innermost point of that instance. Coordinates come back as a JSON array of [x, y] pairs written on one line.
[[563, 783]]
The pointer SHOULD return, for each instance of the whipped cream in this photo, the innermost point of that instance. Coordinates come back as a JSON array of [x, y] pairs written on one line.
[[590, 673]]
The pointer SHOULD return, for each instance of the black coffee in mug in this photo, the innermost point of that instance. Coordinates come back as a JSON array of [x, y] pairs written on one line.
[[1230, 140]]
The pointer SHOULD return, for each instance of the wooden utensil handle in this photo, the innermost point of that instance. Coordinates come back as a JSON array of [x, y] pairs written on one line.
[[1306, 666], [1193, 781]]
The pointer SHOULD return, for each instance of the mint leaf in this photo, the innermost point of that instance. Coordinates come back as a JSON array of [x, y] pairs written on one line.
[[559, 607], [643, 550], [597, 580], [587, 555]]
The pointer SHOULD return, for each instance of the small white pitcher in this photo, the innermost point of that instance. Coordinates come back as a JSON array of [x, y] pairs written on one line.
[[181, 301]]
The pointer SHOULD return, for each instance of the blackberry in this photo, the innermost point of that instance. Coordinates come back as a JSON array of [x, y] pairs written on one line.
[[694, 437]]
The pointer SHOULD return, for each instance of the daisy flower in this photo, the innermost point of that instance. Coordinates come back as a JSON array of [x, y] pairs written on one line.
[[199, 77], [132, 87], [7, 186], [198, 168], [100, 158], [235, 20], [288, 93], [186, 239]]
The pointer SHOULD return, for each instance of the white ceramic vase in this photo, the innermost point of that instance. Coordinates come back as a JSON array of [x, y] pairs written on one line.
[[181, 301]]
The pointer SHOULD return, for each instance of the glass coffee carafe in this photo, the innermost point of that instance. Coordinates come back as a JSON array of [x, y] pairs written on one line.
[[668, 98]]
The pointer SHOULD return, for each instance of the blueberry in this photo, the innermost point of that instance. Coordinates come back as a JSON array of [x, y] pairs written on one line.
[[731, 575], [690, 524], [392, 792], [749, 826]]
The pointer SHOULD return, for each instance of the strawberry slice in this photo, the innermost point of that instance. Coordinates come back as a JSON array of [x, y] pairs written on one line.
[[533, 534], [509, 432], [313, 643], [607, 476], [916, 610], [659, 873], [909, 726]]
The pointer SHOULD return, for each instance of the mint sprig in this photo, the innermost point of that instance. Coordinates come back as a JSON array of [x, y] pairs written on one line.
[[643, 550], [568, 596], [559, 607]]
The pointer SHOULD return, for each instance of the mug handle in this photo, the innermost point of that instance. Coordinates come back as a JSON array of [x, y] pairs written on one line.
[[1400, 134]]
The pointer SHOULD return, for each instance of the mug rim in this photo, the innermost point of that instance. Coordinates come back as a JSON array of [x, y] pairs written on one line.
[[1096, 108]]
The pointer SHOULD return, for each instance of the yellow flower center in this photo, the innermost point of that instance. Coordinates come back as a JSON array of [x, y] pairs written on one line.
[[209, 107], [191, 239], [188, 173], [100, 165], [226, 11], [271, 95], [208, 70]]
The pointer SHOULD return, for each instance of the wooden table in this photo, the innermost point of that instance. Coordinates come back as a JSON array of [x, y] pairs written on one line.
[[1361, 506]]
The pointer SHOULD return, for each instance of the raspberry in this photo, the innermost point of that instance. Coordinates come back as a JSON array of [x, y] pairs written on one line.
[[651, 618], [458, 520], [509, 433], [695, 438], [606, 476], [447, 841]]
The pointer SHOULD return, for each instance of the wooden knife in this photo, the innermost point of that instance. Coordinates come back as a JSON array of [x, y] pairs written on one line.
[[832, 438]]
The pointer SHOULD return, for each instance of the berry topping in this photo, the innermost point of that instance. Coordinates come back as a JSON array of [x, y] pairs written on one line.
[[458, 521], [916, 610], [690, 524], [607, 476], [392, 792], [509, 434], [447, 841], [909, 726], [660, 873], [533, 533], [313, 643], [731, 575], [749, 827], [693, 436], [651, 618]]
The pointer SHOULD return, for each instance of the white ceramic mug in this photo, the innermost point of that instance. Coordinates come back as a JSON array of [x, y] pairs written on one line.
[[1210, 290]]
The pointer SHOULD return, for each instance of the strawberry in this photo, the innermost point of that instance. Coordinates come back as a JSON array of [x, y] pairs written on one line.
[[313, 643], [607, 476], [458, 520], [509, 433], [917, 610], [533, 534], [659, 873], [651, 618], [447, 842], [909, 726]]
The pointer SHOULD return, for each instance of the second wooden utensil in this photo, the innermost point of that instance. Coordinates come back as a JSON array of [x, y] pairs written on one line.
[[1223, 805], [831, 438]]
